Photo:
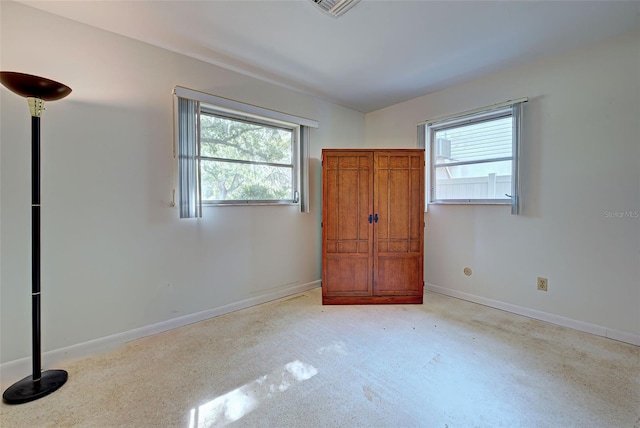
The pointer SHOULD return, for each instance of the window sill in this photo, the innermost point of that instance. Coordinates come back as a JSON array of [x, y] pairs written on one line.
[[247, 203], [506, 202]]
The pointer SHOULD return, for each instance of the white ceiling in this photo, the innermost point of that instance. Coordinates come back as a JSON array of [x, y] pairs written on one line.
[[378, 54]]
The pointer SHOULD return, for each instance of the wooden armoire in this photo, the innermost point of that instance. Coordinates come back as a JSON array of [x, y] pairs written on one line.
[[372, 226]]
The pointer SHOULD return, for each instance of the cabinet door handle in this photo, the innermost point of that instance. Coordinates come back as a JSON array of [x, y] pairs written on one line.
[[370, 218], [375, 217]]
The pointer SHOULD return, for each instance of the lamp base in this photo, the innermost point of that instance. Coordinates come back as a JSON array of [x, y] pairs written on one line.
[[26, 390]]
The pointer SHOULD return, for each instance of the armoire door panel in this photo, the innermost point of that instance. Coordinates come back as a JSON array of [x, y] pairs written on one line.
[[347, 275], [417, 201], [347, 207], [398, 246], [348, 203], [398, 275], [399, 213], [399, 202]]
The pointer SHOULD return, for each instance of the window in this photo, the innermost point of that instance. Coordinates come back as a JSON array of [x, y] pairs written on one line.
[[230, 153], [246, 161], [474, 157]]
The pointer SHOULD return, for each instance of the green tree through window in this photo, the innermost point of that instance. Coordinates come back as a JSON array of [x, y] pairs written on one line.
[[242, 160]]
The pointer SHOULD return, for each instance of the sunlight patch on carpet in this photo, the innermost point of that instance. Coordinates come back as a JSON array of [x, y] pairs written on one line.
[[235, 404]]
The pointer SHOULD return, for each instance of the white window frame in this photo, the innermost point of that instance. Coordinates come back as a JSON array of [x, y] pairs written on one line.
[[252, 113], [426, 139]]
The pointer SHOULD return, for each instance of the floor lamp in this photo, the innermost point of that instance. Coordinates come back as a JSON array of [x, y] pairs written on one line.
[[37, 90]]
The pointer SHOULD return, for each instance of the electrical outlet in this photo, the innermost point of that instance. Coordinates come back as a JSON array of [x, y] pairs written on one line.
[[543, 283]]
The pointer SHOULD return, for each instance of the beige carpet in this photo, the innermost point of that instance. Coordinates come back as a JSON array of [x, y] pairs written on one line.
[[296, 363]]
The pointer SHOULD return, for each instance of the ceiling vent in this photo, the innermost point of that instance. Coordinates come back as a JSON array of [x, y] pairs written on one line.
[[335, 8]]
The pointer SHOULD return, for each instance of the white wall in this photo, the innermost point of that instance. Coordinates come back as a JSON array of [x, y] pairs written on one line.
[[581, 160], [115, 256]]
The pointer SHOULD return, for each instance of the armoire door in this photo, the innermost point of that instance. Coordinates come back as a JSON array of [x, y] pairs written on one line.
[[398, 223], [347, 223]]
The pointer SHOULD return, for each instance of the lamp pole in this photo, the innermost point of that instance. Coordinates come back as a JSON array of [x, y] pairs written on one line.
[[36, 90]]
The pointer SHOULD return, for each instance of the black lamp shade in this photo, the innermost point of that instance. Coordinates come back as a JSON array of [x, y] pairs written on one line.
[[30, 86]]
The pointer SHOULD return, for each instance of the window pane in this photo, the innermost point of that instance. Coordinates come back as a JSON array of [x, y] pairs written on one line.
[[234, 139], [483, 140], [489, 180], [224, 181]]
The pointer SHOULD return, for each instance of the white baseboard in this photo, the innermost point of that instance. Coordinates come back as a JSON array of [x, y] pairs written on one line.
[[13, 371], [598, 330]]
